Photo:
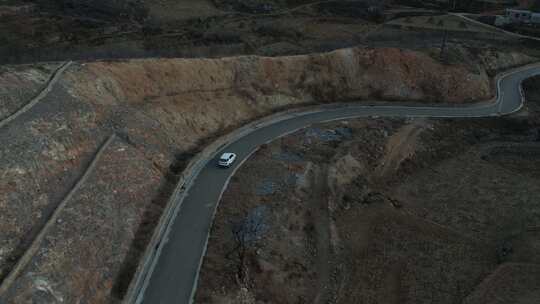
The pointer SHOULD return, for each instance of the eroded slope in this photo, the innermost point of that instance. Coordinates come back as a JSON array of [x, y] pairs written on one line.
[[161, 111]]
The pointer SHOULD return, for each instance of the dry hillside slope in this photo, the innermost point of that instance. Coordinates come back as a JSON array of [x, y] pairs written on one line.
[[346, 74], [191, 99], [384, 211], [161, 110]]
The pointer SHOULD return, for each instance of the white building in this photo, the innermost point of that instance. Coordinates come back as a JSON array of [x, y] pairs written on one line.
[[522, 16]]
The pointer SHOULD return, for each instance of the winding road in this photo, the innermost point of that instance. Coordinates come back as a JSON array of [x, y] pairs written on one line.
[[173, 275]]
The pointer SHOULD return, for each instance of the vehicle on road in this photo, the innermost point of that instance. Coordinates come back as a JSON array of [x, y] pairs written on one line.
[[226, 159], [162, 282]]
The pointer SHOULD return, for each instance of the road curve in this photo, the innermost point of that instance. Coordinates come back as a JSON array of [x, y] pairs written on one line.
[[173, 276]]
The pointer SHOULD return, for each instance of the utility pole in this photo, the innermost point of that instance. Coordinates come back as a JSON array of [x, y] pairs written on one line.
[[443, 45], [445, 36]]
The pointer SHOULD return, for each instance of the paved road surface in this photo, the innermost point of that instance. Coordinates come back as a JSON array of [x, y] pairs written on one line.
[[175, 275]]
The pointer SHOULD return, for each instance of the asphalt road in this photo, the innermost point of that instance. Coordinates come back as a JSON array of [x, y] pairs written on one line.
[[175, 275]]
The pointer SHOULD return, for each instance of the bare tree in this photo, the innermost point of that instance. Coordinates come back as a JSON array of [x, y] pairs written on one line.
[[246, 233]]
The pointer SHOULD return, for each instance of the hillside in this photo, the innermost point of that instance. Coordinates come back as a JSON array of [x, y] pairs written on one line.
[[88, 169], [384, 211]]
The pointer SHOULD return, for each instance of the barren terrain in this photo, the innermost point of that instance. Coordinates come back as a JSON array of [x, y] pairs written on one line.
[[85, 172], [384, 211], [53, 156]]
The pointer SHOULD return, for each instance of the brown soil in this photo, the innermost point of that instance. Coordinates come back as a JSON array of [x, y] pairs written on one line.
[[199, 95], [164, 110], [386, 211], [84, 254], [346, 74]]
